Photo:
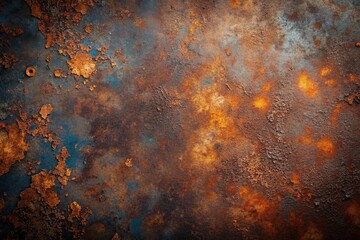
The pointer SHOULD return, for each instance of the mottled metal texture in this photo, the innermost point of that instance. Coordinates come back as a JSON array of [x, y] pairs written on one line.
[[144, 119]]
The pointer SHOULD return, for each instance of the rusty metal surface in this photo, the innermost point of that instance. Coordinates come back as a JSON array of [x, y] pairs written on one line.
[[235, 119]]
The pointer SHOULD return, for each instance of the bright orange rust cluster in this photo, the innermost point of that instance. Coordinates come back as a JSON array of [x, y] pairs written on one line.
[[256, 209], [325, 144], [82, 64], [307, 85], [262, 101]]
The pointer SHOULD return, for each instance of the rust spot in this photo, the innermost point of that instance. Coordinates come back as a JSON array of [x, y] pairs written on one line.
[[306, 85], [325, 71], [45, 110], [234, 3], [353, 212], [331, 83], [60, 170], [326, 146], [44, 184], [295, 178], [88, 28], [351, 77], [307, 137], [57, 73], [129, 162], [30, 72], [261, 103], [12, 146], [317, 25], [312, 233], [7, 60], [82, 64], [75, 211]]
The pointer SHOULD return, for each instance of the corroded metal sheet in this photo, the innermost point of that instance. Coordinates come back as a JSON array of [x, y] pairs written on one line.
[[144, 119]]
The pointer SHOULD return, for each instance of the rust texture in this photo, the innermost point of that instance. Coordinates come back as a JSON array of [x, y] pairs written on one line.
[[134, 119]]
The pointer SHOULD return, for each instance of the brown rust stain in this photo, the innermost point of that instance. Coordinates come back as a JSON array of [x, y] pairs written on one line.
[[60, 170], [45, 110], [12, 146]]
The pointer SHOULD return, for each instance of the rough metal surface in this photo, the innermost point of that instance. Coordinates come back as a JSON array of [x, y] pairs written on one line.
[[234, 119]]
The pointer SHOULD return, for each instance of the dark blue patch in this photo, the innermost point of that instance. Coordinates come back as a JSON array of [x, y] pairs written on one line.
[[135, 227]]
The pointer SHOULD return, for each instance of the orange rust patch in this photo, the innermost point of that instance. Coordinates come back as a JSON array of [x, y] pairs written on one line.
[[336, 112], [254, 205], [266, 88], [353, 212], [245, 4], [326, 146], [44, 184], [82, 64], [27, 197], [331, 83], [57, 73], [306, 85], [255, 208], [128, 162], [75, 211], [312, 233], [139, 23], [261, 103], [12, 146], [295, 178], [234, 3], [317, 25], [60, 170], [45, 110], [307, 137], [325, 71], [7, 61], [351, 77], [83, 6], [88, 28], [357, 44], [317, 42]]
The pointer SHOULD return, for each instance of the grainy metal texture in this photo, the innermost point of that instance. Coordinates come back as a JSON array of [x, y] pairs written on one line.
[[234, 119]]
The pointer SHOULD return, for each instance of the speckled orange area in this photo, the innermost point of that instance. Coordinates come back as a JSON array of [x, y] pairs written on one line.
[[8, 60], [306, 85], [82, 65], [326, 146], [45, 110], [75, 211], [325, 71], [60, 170], [255, 208], [44, 184], [261, 103], [12, 146]]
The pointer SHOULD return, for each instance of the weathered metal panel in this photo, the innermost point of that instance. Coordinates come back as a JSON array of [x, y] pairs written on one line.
[[234, 119]]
